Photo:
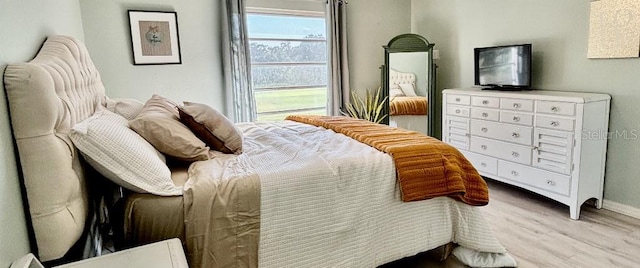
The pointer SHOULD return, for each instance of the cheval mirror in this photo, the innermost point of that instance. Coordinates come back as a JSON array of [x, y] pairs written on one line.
[[408, 80]]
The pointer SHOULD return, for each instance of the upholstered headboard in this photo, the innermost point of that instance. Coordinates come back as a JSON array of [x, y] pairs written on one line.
[[47, 96], [397, 78]]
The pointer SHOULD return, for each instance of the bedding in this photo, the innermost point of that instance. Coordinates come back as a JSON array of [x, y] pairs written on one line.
[[426, 167], [147, 218], [304, 196], [408, 106]]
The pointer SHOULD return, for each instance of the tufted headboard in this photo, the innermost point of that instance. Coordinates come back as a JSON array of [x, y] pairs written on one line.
[[397, 78], [47, 96]]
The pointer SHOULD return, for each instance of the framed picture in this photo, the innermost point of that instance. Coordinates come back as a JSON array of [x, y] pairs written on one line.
[[154, 37]]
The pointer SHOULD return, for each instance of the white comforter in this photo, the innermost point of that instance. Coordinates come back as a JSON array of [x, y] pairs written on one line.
[[330, 201]]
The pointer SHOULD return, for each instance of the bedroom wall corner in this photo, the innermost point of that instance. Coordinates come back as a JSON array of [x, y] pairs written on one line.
[[558, 31], [370, 25], [199, 78], [24, 25]]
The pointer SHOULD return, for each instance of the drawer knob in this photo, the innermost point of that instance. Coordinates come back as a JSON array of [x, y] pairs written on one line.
[[516, 118], [485, 114], [483, 164], [515, 154], [555, 108], [550, 182], [516, 105], [457, 111], [515, 135], [485, 102], [457, 99], [484, 129], [554, 123], [484, 147], [514, 173]]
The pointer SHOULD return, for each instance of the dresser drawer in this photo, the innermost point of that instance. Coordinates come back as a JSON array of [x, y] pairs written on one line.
[[516, 118], [556, 123], [545, 180], [504, 150], [488, 102], [556, 107], [483, 163], [486, 114], [516, 104], [459, 99], [499, 131], [458, 110]]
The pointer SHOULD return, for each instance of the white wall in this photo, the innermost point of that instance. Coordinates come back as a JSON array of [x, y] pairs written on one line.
[[199, 78], [24, 25], [559, 33], [371, 24]]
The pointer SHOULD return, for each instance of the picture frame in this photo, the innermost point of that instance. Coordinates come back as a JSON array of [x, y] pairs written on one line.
[[154, 37]]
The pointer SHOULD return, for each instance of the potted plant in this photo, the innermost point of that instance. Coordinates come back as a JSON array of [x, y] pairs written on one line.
[[369, 108]]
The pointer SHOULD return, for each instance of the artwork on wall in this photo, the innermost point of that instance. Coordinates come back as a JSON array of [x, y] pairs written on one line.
[[614, 29], [154, 37]]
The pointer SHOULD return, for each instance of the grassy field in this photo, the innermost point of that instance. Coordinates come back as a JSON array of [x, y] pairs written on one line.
[[280, 101]]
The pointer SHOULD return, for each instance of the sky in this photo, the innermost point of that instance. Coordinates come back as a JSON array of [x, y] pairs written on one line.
[[284, 26]]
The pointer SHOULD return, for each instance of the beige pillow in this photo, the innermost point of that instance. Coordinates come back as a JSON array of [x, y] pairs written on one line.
[[212, 127], [158, 123]]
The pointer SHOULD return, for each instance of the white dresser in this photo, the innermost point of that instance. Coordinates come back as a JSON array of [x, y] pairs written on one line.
[[549, 142]]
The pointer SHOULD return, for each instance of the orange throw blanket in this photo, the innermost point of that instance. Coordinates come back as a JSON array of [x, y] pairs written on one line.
[[408, 106], [426, 167]]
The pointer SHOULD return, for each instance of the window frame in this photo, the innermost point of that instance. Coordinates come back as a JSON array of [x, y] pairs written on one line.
[[290, 13]]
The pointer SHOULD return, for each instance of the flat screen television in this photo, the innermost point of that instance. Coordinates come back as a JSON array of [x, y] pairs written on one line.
[[503, 67]]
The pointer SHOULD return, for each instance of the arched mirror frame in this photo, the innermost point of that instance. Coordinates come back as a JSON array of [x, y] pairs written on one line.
[[411, 43]]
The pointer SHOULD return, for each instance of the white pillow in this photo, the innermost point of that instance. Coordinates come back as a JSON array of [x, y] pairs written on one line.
[[127, 108], [121, 155], [408, 89], [395, 92], [475, 258]]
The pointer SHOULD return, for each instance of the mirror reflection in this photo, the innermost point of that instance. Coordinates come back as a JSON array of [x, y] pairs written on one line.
[[408, 80]]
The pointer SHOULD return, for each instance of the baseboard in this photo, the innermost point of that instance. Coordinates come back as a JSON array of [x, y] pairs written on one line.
[[621, 208]]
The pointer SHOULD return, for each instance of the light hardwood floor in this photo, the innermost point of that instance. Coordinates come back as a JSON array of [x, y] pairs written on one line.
[[538, 232]]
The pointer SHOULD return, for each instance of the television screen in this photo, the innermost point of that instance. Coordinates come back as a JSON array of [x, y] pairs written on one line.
[[503, 67]]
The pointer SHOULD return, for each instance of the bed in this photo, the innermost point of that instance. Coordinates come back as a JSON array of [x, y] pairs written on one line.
[[406, 109], [299, 194]]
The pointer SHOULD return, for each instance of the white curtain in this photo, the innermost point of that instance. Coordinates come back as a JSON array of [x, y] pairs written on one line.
[[241, 105], [338, 60]]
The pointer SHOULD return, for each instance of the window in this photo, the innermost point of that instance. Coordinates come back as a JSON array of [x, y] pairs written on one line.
[[288, 62]]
